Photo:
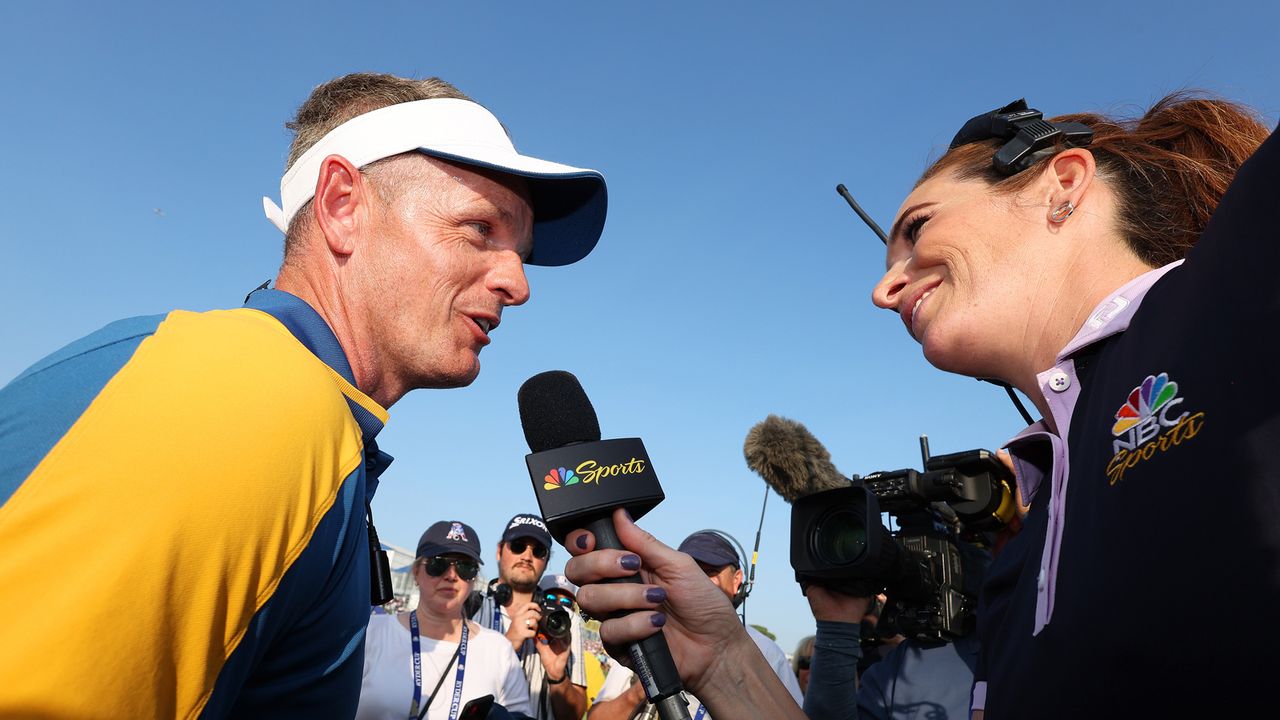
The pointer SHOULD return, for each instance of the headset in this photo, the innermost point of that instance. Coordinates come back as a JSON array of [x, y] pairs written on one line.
[[748, 580]]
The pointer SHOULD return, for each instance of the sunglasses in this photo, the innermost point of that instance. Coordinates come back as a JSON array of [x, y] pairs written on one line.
[[803, 663], [518, 547], [564, 601], [467, 569]]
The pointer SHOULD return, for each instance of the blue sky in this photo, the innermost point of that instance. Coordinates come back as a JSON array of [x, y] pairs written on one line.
[[731, 282]]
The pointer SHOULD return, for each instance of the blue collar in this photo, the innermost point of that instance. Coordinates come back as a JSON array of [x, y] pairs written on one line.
[[311, 330]]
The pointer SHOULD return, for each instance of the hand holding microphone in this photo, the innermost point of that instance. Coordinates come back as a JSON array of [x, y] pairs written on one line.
[[700, 625], [579, 480], [589, 490]]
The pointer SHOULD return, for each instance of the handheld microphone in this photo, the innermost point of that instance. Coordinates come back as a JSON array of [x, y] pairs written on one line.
[[580, 480]]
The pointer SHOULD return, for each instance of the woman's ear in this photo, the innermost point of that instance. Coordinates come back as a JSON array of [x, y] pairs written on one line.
[[1067, 180]]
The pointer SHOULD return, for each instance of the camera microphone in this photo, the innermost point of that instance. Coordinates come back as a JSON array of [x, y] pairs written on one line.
[[580, 480], [790, 459]]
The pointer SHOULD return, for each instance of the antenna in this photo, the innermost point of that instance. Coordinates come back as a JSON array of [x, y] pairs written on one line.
[[844, 193]]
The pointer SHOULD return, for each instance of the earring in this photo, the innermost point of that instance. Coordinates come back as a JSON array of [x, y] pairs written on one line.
[[1062, 212]]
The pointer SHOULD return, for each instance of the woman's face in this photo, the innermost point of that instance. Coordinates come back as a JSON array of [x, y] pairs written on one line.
[[963, 274], [445, 593]]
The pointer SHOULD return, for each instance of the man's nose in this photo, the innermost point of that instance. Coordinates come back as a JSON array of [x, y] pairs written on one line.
[[507, 279]]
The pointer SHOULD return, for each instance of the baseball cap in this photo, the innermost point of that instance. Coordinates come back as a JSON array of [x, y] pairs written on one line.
[[569, 203], [526, 525], [557, 582], [710, 548], [450, 536]]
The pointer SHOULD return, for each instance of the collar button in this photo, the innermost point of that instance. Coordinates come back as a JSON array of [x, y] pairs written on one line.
[[1059, 381]]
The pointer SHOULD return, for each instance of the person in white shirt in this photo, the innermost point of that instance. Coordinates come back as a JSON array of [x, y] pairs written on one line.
[[431, 662], [622, 698]]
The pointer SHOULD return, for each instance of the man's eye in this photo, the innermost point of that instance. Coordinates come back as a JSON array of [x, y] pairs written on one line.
[[483, 228]]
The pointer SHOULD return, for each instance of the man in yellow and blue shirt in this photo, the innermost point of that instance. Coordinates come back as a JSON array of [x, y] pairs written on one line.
[[216, 468]]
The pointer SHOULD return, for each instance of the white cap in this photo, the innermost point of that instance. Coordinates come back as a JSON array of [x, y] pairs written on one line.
[[569, 203], [557, 582]]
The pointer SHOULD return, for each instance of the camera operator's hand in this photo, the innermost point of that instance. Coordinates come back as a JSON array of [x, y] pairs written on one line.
[[834, 606], [717, 660], [524, 623], [554, 654]]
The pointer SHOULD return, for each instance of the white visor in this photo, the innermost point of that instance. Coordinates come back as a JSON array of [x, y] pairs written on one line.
[[569, 203]]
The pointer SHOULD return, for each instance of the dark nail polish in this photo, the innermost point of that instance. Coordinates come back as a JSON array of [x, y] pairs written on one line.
[[630, 562], [628, 514], [658, 619], [581, 541], [655, 595]]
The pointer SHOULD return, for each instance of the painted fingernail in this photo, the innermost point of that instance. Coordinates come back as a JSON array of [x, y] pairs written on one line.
[[657, 619], [581, 541], [630, 562], [628, 514], [655, 595]]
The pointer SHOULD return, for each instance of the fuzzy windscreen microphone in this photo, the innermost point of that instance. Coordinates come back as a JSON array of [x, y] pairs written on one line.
[[790, 459]]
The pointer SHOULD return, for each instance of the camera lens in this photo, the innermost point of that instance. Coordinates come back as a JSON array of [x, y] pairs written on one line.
[[557, 624], [840, 537]]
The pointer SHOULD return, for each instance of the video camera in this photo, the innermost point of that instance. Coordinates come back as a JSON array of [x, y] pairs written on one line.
[[839, 541]]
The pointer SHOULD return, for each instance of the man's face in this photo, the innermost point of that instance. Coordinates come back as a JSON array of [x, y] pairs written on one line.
[[521, 563], [444, 256], [726, 577]]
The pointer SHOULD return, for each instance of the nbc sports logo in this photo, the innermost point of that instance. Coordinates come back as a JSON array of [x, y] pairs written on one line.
[[559, 477], [1147, 425], [1147, 410]]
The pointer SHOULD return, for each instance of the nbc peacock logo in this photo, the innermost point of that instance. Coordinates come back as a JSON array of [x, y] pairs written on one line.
[[559, 477], [1147, 425], [1146, 400]]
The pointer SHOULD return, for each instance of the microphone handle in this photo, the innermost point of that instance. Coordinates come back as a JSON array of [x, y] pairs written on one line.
[[651, 658]]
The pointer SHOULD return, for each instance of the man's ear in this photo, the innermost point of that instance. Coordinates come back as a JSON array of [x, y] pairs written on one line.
[[341, 204], [1069, 176]]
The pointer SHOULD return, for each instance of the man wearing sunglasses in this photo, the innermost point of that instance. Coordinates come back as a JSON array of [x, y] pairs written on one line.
[[553, 666]]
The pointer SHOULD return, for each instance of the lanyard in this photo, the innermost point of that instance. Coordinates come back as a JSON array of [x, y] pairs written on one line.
[[460, 655]]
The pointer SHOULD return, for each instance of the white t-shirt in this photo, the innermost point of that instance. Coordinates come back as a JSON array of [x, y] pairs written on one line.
[[619, 677], [386, 689], [496, 617]]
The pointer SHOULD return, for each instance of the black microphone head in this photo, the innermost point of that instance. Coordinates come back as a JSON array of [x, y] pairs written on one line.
[[555, 411], [790, 458]]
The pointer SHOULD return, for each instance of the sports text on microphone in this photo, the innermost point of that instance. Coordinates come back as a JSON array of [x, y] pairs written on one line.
[[589, 471]]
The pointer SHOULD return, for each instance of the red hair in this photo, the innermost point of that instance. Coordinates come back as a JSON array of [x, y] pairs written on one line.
[[1168, 168]]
